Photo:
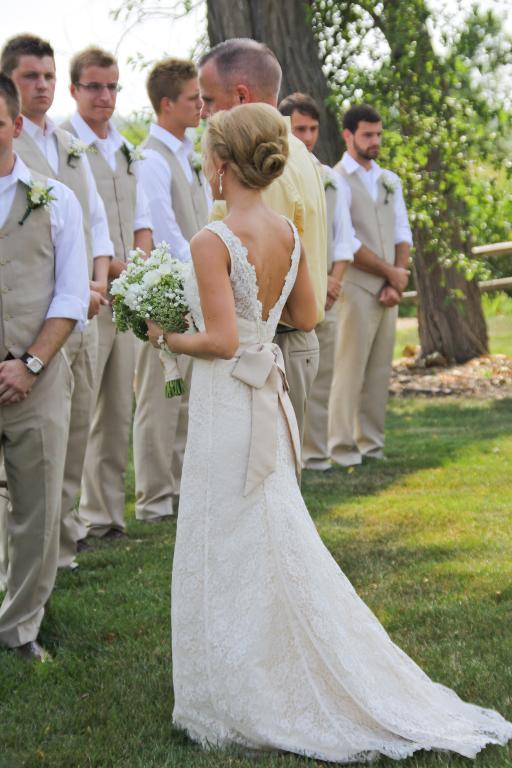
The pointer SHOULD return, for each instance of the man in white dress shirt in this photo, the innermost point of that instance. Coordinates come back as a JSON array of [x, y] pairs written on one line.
[[50, 150], [304, 116], [94, 86], [372, 289], [176, 191], [45, 293]]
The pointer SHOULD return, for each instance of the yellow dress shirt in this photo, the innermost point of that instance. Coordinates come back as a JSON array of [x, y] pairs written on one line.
[[299, 195]]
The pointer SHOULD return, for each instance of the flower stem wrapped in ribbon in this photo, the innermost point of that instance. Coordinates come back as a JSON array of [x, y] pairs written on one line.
[[153, 289]]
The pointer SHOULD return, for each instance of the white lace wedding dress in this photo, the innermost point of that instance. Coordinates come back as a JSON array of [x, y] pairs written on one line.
[[272, 648]]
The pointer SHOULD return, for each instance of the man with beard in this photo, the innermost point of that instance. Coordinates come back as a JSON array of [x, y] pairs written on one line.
[[372, 289]]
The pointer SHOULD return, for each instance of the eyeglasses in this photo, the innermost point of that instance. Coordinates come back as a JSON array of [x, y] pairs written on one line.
[[98, 87]]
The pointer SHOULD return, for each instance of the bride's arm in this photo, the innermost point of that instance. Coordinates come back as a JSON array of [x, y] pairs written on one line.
[[220, 337], [300, 309]]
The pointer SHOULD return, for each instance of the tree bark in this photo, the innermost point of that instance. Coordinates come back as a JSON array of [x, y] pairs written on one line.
[[450, 317], [285, 28]]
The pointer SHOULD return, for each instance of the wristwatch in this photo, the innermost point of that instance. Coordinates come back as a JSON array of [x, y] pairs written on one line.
[[33, 363]]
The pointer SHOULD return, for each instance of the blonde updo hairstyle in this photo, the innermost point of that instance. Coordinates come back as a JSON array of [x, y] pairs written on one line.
[[252, 139]]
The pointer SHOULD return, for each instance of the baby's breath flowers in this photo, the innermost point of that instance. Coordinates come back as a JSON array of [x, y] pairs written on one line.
[[153, 289]]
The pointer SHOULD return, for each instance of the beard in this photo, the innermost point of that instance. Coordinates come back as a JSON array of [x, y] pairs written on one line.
[[371, 153]]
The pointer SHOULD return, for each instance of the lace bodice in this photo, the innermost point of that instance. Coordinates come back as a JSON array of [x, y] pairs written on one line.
[[245, 287]]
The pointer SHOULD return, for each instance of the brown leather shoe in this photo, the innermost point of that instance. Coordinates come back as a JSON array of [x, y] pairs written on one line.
[[32, 652]]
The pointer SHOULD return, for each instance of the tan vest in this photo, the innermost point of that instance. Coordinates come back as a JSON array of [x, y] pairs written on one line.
[[188, 200], [374, 224], [118, 190], [27, 273], [73, 176]]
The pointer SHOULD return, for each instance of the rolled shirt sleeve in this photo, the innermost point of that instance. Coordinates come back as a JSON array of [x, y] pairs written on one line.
[[71, 292], [155, 176], [344, 239], [403, 232], [142, 212], [344, 186]]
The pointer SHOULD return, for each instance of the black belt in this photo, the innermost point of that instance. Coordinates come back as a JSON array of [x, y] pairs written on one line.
[[285, 329]]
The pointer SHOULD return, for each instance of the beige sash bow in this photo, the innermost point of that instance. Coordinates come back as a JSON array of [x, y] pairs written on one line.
[[261, 367]]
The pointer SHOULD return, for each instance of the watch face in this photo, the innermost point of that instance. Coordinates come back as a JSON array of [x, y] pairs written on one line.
[[34, 365]]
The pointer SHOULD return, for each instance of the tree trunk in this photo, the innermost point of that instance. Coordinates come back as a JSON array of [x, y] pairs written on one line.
[[285, 28], [450, 317]]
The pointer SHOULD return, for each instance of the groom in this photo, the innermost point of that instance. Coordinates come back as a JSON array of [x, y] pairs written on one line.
[[243, 71]]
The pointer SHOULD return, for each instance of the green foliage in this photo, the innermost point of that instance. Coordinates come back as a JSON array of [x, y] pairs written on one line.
[[136, 128], [440, 109], [498, 303]]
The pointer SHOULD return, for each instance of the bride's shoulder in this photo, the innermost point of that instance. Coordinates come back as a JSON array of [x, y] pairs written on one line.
[[206, 245]]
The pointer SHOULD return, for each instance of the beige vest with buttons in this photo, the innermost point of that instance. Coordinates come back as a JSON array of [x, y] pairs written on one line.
[[118, 190], [27, 273], [71, 173], [188, 200], [374, 224]]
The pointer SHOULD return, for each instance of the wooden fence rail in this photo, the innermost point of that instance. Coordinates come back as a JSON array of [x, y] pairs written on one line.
[[485, 286]]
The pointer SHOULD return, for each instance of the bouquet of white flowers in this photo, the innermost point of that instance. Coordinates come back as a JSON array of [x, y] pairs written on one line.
[[153, 289]]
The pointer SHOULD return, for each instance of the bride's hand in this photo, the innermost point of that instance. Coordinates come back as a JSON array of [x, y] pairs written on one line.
[[155, 334]]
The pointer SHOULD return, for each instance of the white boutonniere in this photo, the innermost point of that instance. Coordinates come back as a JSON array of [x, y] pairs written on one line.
[[76, 149], [389, 188], [132, 155], [38, 196], [196, 164]]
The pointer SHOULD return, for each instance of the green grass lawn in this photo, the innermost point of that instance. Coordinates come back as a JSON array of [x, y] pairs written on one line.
[[425, 537], [498, 313]]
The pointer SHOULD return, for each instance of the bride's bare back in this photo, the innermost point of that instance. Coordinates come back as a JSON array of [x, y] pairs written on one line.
[[269, 241]]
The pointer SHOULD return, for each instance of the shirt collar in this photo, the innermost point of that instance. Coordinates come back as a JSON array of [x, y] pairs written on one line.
[[170, 140], [87, 135], [352, 166], [34, 130]]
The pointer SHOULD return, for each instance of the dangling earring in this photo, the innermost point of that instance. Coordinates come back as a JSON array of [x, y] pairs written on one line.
[[220, 174]]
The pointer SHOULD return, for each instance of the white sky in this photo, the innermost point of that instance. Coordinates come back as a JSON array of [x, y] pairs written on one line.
[[73, 24]]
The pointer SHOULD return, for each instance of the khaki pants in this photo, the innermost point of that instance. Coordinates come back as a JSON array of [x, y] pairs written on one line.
[[159, 435], [106, 457], [81, 350], [34, 436], [315, 451], [5, 510], [301, 355], [362, 368]]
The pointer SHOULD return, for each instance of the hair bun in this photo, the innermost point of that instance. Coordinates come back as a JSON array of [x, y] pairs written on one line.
[[269, 159], [252, 139]]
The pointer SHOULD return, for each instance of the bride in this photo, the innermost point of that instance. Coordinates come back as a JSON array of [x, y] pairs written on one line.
[[272, 648]]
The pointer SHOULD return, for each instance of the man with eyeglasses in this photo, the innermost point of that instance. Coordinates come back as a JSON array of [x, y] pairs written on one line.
[[94, 87], [50, 151]]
